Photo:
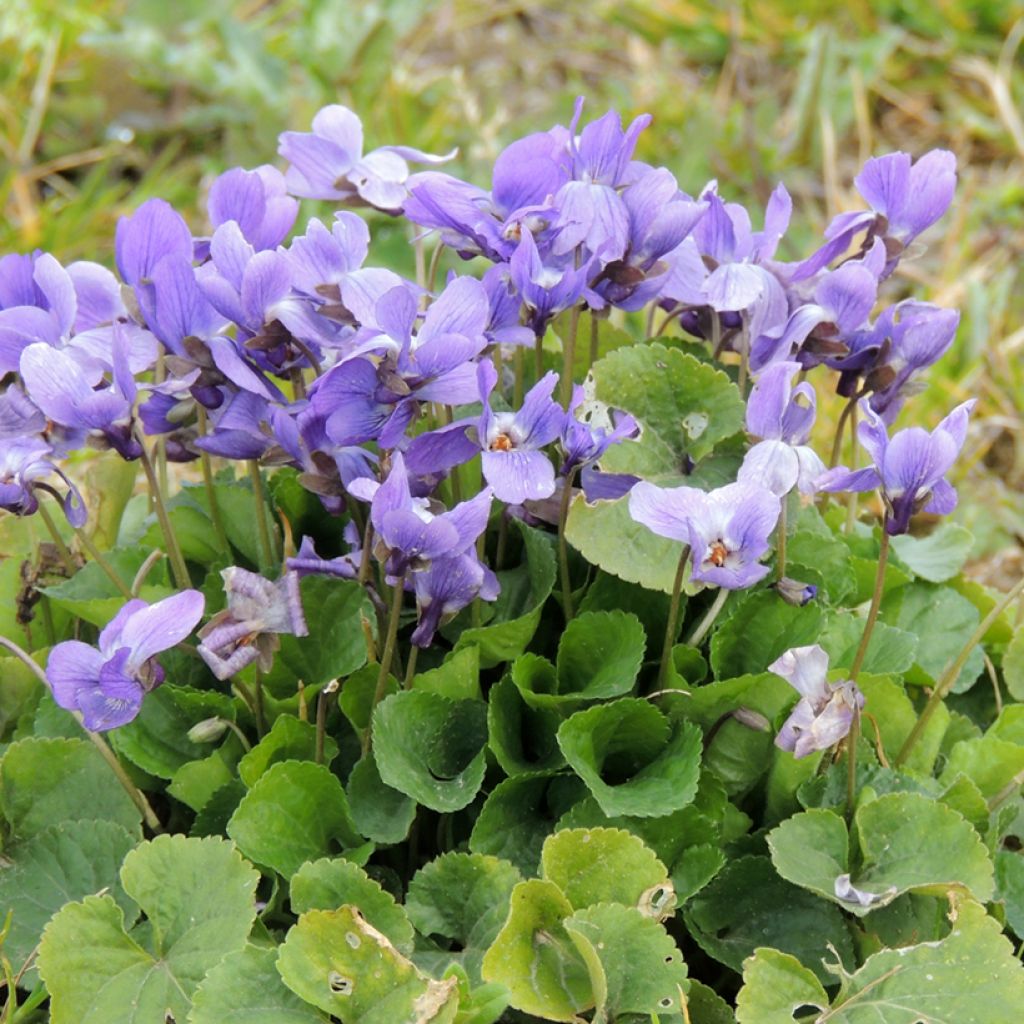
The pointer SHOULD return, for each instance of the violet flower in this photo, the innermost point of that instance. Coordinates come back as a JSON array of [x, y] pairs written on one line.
[[329, 163], [24, 463], [782, 415], [727, 529], [107, 684], [583, 443], [825, 711], [257, 201], [909, 468], [449, 585], [306, 562], [258, 612]]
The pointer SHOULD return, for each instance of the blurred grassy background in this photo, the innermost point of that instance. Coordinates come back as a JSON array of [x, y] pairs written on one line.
[[105, 103]]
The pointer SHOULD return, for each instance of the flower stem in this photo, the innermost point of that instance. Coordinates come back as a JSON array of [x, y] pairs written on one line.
[[140, 577], [672, 625], [595, 338], [563, 547], [266, 548], [950, 675], [257, 706], [853, 735], [397, 595], [178, 568], [538, 356], [569, 355], [211, 492], [410, 667], [708, 621], [98, 742], [780, 541], [517, 387], [62, 549], [837, 442], [321, 717], [95, 554], [435, 262]]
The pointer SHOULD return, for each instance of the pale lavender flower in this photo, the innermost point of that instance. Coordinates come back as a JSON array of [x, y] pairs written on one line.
[[449, 585], [107, 684], [583, 443], [825, 711], [24, 463], [727, 529], [909, 468], [257, 201], [259, 611]]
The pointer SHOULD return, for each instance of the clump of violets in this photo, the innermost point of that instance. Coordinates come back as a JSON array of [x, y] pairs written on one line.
[[106, 683], [825, 711]]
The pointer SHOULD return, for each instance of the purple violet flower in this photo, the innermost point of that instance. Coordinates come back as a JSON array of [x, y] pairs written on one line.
[[329, 163], [258, 612], [727, 529], [257, 201], [825, 711], [449, 585], [306, 562], [782, 415], [24, 462], [909, 468], [583, 443], [107, 684]]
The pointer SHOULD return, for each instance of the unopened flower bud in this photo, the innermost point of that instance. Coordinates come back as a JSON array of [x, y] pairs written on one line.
[[752, 719], [209, 730], [794, 592]]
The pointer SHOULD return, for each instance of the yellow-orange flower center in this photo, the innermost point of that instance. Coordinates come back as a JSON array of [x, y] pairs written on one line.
[[502, 443]]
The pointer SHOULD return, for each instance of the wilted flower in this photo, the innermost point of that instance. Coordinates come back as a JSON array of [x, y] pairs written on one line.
[[825, 711], [107, 684], [258, 612], [909, 469], [727, 529], [795, 592]]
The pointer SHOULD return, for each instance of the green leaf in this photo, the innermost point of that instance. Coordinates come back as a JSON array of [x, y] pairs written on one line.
[[431, 748], [607, 536], [937, 557], [907, 842], [943, 622], [517, 610], [195, 783], [990, 762], [357, 695], [633, 759], [607, 865], [814, 554], [238, 513], [245, 988], [1009, 888], [47, 781], [760, 628], [521, 737], [775, 986], [337, 961], [192, 528], [890, 650], [520, 813], [457, 678], [60, 864], [609, 593], [970, 977], [336, 645], [685, 406], [894, 714], [381, 813], [464, 898], [706, 1006], [600, 654], [296, 811], [198, 897], [157, 739], [1013, 666], [747, 905], [535, 958], [330, 883], [634, 965], [288, 739]]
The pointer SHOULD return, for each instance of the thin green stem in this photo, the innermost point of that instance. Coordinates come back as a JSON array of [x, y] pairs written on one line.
[[321, 717], [780, 541], [569, 355], [672, 625], [435, 262], [837, 441], [563, 545], [262, 526], [144, 570], [410, 667], [397, 595], [672, 315], [876, 601], [96, 555], [709, 619], [211, 491], [257, 707], [517, 386], [595, 338], [36, 998], [952, 673], [741, 380], [62, 549], [242, 738], [178, 568], [538, 356], [98, 742]]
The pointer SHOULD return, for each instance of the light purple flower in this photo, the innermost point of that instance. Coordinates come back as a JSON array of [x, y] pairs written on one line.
[[107, 684], [259, 611], [549, 286], [449, 585], [329, 163], [257, 201], [24, 463], [306, 561], [584, 443], [825, 711], [782, 415], [727, 529], [909, 468]]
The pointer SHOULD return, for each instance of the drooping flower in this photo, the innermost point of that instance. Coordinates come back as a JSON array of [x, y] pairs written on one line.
[[107, 683], [258, 612], [329, 163], [909, 468], [584, 442], [727, 529], [448, 586], [24, 463], [782, 415], [825, 711]]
